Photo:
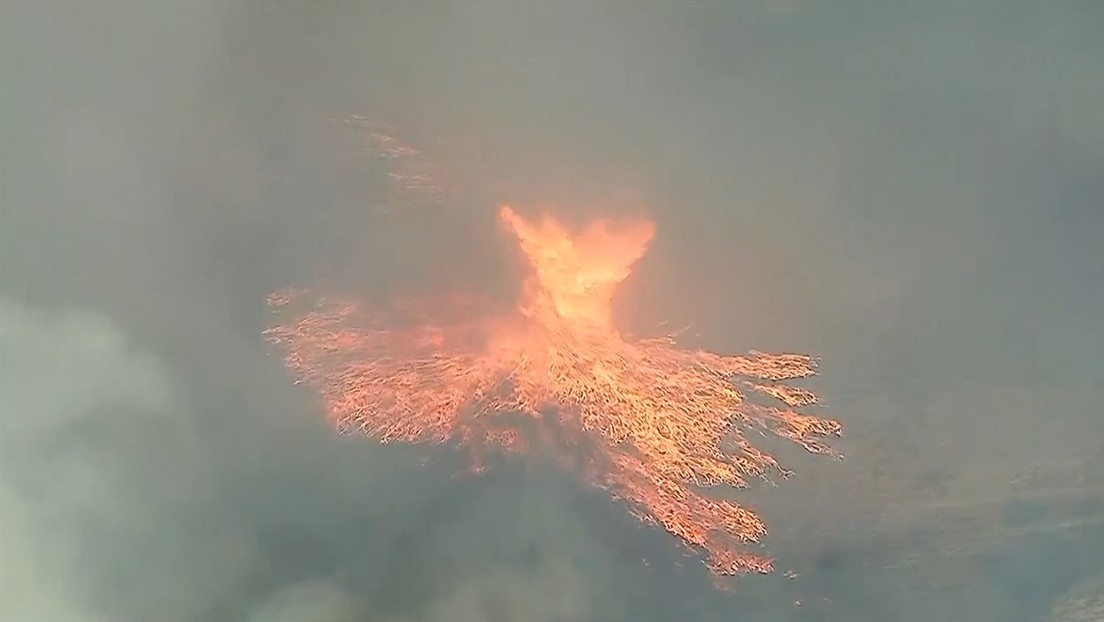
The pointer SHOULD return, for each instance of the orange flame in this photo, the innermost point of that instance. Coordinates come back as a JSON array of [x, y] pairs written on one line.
[[656, 424], [575, 277]]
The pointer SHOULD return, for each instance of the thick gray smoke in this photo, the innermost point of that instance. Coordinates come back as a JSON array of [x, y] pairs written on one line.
[[912, 191]]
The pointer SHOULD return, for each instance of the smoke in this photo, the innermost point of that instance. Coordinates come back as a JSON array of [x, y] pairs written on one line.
[[116, 506], [910, 191], [98, 456]]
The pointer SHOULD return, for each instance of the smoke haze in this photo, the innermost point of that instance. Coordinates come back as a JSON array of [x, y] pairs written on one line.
[[912, 191]]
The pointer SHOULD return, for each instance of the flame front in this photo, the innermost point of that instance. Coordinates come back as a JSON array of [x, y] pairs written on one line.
[[654, 424]]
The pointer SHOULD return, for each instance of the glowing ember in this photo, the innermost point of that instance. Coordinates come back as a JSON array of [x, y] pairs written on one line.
[[653, 424]]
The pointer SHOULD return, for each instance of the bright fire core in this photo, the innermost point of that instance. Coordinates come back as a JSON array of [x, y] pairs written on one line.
[[653, 424]]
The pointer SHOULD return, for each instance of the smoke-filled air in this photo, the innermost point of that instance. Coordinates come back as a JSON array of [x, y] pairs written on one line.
[[551, 311]]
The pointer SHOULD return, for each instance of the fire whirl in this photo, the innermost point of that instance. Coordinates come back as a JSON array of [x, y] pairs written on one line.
[[655, 425]]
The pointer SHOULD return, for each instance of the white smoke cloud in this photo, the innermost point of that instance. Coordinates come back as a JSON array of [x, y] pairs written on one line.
[[89, 421], [553, 592], [307, 602], [109, 504], [54, 371]]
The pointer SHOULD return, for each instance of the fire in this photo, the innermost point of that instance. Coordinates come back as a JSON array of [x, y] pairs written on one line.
[[575, 277], [653, 424]]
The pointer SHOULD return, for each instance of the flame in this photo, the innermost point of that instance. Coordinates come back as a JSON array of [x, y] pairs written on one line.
[[656, 425], [651, 423]]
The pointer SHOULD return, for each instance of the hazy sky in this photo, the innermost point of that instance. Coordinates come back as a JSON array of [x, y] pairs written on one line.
[[912, 191]]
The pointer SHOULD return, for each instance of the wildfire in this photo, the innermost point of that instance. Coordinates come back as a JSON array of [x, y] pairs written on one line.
[[653, 424]]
